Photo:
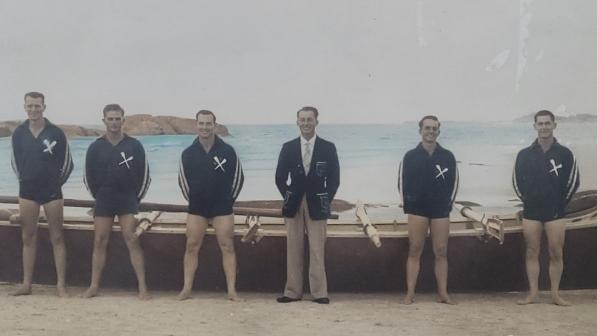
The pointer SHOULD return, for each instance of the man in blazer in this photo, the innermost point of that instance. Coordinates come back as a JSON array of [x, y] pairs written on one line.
[[307, 176]]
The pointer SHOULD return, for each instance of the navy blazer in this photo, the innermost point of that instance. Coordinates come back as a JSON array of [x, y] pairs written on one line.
[[320, 185]]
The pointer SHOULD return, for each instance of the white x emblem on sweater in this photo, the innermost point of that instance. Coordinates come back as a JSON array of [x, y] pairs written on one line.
[[49, 146], [555, 167], [440, 171], [125, 160], [220, 164]]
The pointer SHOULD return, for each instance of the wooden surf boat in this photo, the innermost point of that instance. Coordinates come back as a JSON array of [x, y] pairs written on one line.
[[485, 252]]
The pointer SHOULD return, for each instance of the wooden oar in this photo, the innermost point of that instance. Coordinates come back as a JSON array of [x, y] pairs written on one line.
[[493, 226], [368, 228], [253, 225], [145, 222], [5, 214]]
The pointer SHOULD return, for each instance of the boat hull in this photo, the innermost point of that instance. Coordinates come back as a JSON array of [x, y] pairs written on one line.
[[352, 264]]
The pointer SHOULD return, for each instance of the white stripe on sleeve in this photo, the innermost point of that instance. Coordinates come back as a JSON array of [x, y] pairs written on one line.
[[182, 181]]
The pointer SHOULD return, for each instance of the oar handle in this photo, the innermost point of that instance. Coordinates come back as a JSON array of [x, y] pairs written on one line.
[[369, 229], [145, 222]]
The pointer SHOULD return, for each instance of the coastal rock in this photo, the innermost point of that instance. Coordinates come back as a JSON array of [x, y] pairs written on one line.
[[146, 124], [5, 132], [136, 124], [74, 131], [7, 127]]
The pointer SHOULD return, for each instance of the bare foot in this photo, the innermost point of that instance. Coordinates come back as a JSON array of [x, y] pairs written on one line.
[[21, 290], [89, 293], [61, 292], [234, 297], [144, 295], [530, 299], [446, 300], [557, 300], [184, 295], [409, 299]]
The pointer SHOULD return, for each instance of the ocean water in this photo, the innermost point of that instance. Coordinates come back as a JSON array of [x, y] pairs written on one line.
[[369, 157]]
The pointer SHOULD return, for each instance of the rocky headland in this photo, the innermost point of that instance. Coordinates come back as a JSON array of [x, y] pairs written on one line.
[[137, 124], [146, 124]]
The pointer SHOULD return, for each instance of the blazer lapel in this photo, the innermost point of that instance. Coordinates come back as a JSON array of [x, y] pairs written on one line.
[[296, 152], [314, 156]]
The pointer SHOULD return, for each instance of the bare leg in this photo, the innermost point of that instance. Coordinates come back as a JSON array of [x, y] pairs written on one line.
[[531, 230], [103, 227], [440, 232], [556, 232], [224, 226], [128, 224], [54, 214], [29, 213], [417, 232], [196, 226]]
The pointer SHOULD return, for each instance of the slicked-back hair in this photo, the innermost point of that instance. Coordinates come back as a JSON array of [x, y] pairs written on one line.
[[205, 112], [544, 113], [35, 95], [308, 109], [113, 107], [430, 117]]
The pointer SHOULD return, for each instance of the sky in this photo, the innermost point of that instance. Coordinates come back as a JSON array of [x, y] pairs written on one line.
[[258, 62]]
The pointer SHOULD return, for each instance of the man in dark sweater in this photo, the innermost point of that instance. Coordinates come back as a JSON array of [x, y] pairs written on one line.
[[545, 179], [42, 161], [428, 182], [210, 178], [117, 176]]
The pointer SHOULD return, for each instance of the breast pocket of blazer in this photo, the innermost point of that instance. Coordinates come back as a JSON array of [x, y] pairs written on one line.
[[321, 168]]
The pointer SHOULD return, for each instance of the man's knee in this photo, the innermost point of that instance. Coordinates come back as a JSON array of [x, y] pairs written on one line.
[[415, 249], [29, 237], [532, 251], [56, 237], [440, 252], [226, 245], [193, 245], [101, 240], [556, 253], [130, 238]]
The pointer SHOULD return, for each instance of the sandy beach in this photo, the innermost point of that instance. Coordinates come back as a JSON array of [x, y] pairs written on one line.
[[119, 312]]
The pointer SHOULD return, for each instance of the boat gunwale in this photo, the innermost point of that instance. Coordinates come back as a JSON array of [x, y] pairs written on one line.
[[166, 226]]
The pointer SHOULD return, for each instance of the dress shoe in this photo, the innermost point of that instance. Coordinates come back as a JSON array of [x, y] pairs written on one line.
[[286, 299], [322, 300]]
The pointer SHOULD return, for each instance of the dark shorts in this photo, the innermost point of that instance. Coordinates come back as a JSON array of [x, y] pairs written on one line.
[[429, 209], [210, 209], [115, 205], [542, 214], [40, 192]]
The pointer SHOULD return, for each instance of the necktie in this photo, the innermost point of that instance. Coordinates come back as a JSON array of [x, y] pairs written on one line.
[[307, 157]]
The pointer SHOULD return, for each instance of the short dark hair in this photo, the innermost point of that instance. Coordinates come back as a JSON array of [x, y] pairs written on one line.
[[34, 95], [308, 109], [544, 113], [205, 112], [113, 107], [431, 117]]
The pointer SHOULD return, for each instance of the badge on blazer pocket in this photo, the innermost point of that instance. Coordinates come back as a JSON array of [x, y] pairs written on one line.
[[321, 168], [324, 202]]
